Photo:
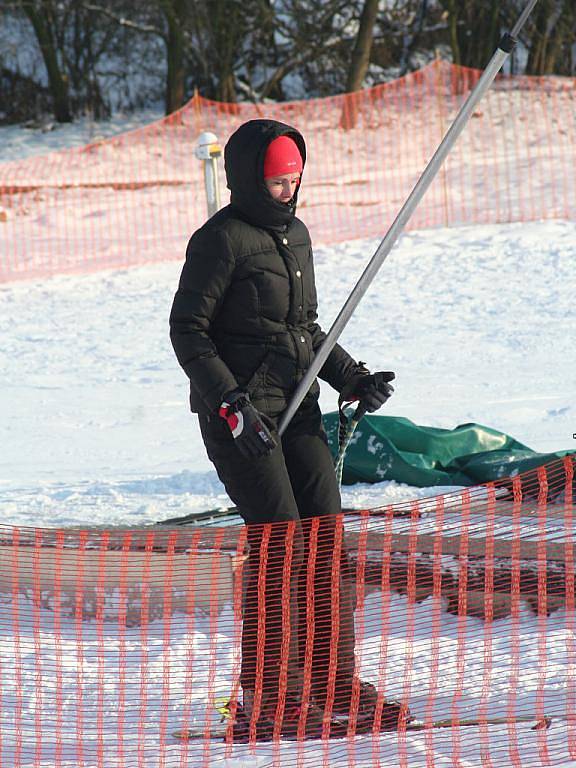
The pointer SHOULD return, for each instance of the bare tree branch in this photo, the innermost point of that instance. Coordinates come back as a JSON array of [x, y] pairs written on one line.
[[123, 21]]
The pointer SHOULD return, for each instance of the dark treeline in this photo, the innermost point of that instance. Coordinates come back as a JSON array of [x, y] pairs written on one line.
[[66, 58]]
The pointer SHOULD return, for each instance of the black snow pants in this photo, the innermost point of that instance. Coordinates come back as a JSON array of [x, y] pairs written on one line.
[[298, 621]]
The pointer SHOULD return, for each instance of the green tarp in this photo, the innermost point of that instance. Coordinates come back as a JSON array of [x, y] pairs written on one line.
[[394, 448]]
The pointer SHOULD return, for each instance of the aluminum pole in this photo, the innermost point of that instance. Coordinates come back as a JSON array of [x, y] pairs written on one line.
[[504, 49]]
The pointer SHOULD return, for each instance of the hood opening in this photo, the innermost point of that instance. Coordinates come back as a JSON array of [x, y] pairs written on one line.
[[244, 164]]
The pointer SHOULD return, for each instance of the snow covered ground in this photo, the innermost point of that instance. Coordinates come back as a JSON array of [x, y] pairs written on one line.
[[479, 324], [112, 698], [18, 143]]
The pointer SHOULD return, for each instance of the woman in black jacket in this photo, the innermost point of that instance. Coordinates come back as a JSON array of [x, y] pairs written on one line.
[[244, 329]]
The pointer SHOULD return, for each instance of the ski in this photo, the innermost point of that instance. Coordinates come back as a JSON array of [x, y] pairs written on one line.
[[193, 733], [540, 723], [208, 516]]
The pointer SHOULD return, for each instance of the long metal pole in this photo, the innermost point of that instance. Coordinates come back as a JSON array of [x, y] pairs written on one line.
[[504, 49]]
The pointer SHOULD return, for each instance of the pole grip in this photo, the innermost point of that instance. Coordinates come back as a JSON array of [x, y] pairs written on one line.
[[507, 43]]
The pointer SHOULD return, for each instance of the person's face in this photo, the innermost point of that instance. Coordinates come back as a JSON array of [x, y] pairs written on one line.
[[282, 188]]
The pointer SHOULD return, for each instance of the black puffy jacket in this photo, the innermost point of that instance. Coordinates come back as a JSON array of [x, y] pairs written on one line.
[[244, 314]]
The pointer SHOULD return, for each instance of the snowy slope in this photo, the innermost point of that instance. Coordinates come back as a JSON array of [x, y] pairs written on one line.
[[138, 710], [18, 143], [479, 324]]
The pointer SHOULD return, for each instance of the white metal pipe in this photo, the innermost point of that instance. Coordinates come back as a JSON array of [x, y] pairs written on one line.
[[501, 54]]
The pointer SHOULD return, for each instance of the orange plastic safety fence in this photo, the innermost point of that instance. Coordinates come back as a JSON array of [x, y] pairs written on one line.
[[137, 197], [286, 644]]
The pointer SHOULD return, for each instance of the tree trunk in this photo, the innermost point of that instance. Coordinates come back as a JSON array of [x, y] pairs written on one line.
[[227, 88], [478, 35], [450, 7], [227, 34], [552, 39], [411, 38], [360, 60], [57, 81], [359, 63], [492, 39], [174, 12]]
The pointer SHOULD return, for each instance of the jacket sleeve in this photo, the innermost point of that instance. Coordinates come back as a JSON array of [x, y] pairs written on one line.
[[339, 366], [203, 283]]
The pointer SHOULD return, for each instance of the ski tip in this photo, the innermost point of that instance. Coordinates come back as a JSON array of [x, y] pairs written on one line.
[[189, 734], [542, 724], [200, 733], [186, 735]]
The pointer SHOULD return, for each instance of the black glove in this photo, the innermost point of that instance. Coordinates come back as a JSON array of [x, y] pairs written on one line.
[[249, 431], [371, 389]]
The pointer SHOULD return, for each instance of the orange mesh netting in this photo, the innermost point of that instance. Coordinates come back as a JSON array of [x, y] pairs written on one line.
[[137, 197], [112, 640]]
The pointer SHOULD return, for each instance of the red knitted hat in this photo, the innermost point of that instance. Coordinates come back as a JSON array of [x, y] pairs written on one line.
[[282, 156]]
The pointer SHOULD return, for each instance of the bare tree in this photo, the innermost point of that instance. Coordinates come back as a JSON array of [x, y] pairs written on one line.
[[474, 30], [360, 59], [94, 50], [252, 47], [386, 34], [176, 16], [42, 16], [163, 19], [220, 30], [551, 37], [314, 45], [82, 41], [72, 41]]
